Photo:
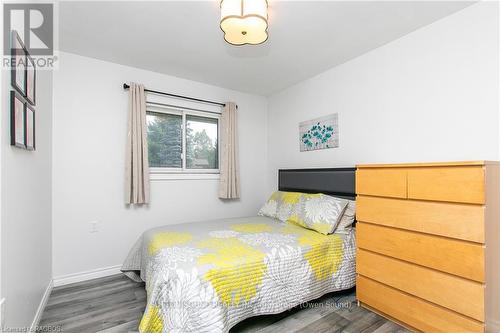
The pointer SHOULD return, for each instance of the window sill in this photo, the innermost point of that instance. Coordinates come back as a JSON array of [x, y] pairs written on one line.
[[183, 176]]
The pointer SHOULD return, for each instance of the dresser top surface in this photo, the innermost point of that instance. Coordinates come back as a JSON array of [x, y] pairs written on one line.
[[431, 164]]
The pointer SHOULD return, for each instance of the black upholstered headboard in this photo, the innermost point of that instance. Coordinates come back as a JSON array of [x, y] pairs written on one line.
[[339, 182]]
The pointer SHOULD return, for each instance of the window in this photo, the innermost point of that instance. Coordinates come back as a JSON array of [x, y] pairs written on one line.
[[182, 141], [201, 143], [164, 140]]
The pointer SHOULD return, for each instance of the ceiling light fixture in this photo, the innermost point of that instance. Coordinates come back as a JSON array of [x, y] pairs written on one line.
[[244, 21]]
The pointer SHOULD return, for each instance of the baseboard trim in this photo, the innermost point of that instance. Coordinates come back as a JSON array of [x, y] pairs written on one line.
[[493, 326], [41, 306], [87, 275]]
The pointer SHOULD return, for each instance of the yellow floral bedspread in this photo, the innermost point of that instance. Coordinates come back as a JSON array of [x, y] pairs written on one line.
[[208, 276]]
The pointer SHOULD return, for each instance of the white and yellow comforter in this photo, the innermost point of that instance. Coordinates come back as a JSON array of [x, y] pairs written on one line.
[[208, 276]]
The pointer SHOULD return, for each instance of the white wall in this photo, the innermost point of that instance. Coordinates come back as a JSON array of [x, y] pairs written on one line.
[[429, 96], [88, 166], [26, 238]]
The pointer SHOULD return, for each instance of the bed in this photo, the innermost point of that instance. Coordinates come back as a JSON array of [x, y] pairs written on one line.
[[208, 276]]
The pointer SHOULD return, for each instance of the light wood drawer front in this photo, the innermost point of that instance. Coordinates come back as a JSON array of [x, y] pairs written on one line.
[[459, 221], [454, 293], [452, 256], [453, 184], [381, 182], [413, 311]]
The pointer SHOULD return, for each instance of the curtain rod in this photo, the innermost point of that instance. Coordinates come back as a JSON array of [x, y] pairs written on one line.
[[126, 86]]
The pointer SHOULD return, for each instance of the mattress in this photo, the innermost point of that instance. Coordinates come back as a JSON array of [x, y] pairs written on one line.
[[208, 276]]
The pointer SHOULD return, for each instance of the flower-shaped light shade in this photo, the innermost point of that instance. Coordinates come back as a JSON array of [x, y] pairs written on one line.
[[244, 21]]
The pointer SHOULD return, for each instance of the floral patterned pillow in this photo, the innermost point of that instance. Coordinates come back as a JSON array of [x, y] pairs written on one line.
[[318, 212], [345, 224], [281, 205]]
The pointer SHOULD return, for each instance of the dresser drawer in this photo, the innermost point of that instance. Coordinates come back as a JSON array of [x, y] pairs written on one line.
[[448, 255], [381, 182], [411, 310], [436, 287], [453, 184], [460, 221]]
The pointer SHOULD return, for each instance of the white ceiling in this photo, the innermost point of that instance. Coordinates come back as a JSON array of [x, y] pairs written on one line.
[[183, 38]]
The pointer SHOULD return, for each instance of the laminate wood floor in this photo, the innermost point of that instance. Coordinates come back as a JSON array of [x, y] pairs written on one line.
[[115, 304]]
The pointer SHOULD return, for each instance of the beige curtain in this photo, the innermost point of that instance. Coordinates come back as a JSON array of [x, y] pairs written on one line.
[[229, 184], [137, 167]]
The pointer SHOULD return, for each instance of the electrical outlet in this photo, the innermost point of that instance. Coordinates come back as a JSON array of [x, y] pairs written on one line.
[[94, 226], [2, 314]]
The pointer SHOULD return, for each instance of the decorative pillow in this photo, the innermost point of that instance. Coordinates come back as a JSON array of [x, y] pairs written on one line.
[[345, 224], [318, 212], [280, 205]]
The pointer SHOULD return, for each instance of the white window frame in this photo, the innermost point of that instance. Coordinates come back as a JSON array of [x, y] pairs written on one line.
[[183, 172]]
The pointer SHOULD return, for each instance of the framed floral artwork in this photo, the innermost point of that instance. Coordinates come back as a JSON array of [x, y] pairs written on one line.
[[319, 133], [30, 127], [30, 79], [17, 120], [18, 71]]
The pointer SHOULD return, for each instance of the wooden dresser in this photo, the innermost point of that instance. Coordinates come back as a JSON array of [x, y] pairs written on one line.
[[428, 238]]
